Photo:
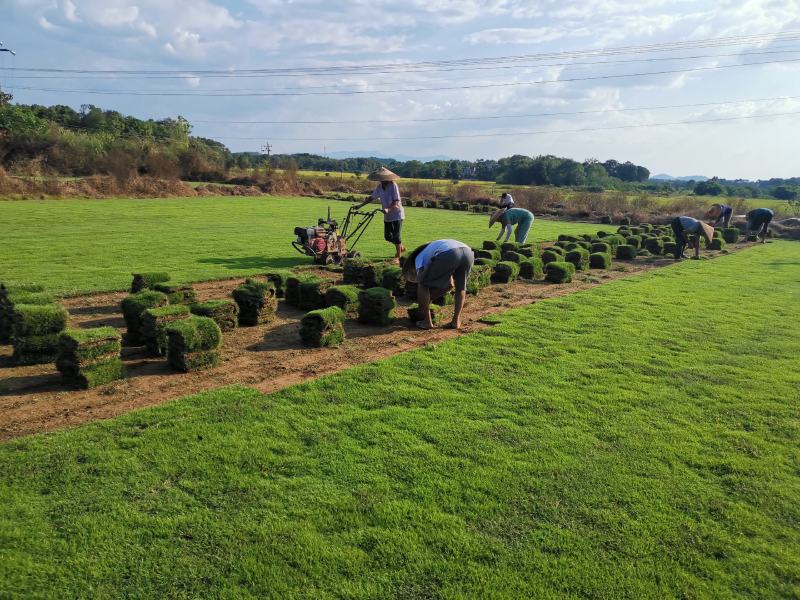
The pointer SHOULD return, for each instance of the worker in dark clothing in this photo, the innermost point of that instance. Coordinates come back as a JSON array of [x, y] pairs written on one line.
[[758, 221], [721, 213]]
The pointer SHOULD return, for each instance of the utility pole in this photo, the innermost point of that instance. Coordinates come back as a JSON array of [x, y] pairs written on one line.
[[267, 149]]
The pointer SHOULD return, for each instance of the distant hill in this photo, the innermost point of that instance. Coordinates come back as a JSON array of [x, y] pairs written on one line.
[[665, 177], [381, 155]]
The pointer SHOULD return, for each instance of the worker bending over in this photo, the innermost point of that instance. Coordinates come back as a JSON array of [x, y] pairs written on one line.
[[520, 217], [721, 213], [506, 201], [758, 220], [436, 268], [688, 232]]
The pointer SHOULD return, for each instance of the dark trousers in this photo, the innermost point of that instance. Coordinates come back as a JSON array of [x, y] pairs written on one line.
[[392, 231], [680, 240]]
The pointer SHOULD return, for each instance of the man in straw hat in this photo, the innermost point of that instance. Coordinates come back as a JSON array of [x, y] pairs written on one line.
[[393, 214], [520, 217], [721, 213], [437, 267], [684, 227]]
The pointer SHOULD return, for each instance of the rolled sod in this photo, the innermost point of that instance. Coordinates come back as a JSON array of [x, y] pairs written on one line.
[[505, 272], [530, 249], [393, 280], [490, 254], [717, 244], [146, 281], [35, 349], [176, 293], [376, 306], [549, 256], [601, 247], [731, 234], [193, 344], [154, 325], [509, 247], [447, 299], [479, 277], [491, 245], [487, 262], [256, 301], [224, 312], [312, 293], [34, 319], [13, 295], [670, 248], [88, 358], [323, 327], [600, 260], [654, 246], [415, 314], [633, 240], [559, 272], [292, 292], [344, 297], [567, 238], [363, 273], [132, 308], [513, 256], [626, 252], [278, 278], [533, 268], [578, 257]]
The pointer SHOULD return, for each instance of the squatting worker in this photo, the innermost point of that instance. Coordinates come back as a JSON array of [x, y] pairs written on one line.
[[437, 267], [506, 201], [393, 214], [520, 217], [688, 232], [721, 213], [758, 220]]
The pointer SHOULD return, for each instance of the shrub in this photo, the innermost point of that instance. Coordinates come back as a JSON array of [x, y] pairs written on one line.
[[578, 257], [491, 245], [479, 277], [376, 306], [532, 268], [512, 256], [225, 313], [601, 247], [731, 235], [90, 357], [278, 277], [605, 219], [312, 293], [145, 281], [344, 297], [132, 308], [154, 324], [176, 293], [600, 260], [717, 244], [626, 252], [323, 327], [415, 314], [551, 255], [654, 246], [559, 272], [256, 301], [393, 280], [505, 272], [193, 344]]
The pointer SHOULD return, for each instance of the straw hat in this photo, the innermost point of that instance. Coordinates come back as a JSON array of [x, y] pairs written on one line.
[[383, 174], [707, 231], [714, 212], [410, 265], [495, 217]]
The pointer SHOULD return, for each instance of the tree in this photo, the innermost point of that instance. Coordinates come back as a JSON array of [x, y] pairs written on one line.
[[708, 188], [784, 192], [5, 98]]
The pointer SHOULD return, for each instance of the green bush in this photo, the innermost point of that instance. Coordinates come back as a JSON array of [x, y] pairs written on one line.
[[193, 344], [533, 268], [717, 244], [344, 297], [146, 281], [176, 293], [601, 247], [479, 277], [505, 272], [155, 322], [559, 272], [132, 308], [393, 280], [257, 302], [323, 327], [600, 260], [376, 306], [626, 252], [512, 256], [654, 246], [34, 320], [225, 313], [415, 314], [578, 257], [88, 358], [731, 235], [278, 277], [312, 293]]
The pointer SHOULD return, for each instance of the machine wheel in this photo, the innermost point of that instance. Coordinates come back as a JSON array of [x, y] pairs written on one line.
[[354, 254]]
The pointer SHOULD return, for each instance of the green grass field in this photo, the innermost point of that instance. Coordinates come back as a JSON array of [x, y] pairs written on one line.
[[94, 245], [636, 440]]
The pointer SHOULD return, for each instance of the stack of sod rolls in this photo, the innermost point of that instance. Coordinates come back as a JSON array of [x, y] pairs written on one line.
[[176, 293], [559, 272], [90, 357], [18, 294], [415, 314], [345, 297], [578, 257], [132, 308], [600, 260], [363, 273], [34, 332], [292, 291], [312, 293], [731, 234], [323, 327], [505, 272], [256, 301], [146, 281], [154, 326], [193, 344], [376, 306], [224, 312], [533, 268], [278, 279], [393, 280]]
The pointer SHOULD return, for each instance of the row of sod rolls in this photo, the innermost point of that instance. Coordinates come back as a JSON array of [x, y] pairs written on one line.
[[90, 357]]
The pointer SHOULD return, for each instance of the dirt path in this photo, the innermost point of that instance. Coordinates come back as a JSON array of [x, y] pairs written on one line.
[[267, 357]]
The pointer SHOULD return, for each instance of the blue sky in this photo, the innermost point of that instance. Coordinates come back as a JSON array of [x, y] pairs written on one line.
[[193, 35]]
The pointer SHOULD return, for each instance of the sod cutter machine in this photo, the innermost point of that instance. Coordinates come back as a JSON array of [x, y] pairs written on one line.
[[329, 243]]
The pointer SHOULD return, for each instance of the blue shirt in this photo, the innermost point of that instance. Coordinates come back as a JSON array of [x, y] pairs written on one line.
[[690, 224], [433, 249]]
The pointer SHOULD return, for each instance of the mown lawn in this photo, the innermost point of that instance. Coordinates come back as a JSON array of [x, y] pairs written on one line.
[[637, 440], [94, 245]]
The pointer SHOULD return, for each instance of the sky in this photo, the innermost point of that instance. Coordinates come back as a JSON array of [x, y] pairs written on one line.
[[750, 134]]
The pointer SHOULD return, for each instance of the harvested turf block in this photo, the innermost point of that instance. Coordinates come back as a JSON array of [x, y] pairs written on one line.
[[490, 254], [490, 245], [579, 258], [508, 247], [479, 277], [654, 246], [645, 227], [132, 308], [292, 292], [176, 293], [323, 327], [485, 262], [11, 296], [567, 238], [533, 268], [505, 272], [530, 249], [224, 312], [415, 314], [256, 301], [376, 306], [344, 297], [561, 244], [513, 256], [363, 273], [551, 255], [278, 278], [154, 325], [193, 343], [90, 357], [731, 234], [670, 248], [634, 240], [146, 281], [717, 244], [312, 293], [447, 299], [393, 280], [626, 252], [559, 272], [601, 247], [600, 260], [35, 349], [614, 241], [32, 319]]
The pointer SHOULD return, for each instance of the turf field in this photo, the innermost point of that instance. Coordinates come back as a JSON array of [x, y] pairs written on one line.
[[93, 245], [637, 440]]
